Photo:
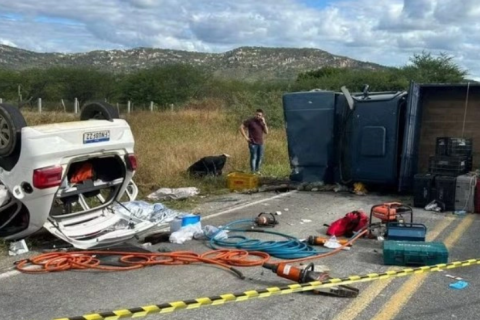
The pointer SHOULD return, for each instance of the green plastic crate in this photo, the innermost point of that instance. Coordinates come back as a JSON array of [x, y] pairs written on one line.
[[414, 253]]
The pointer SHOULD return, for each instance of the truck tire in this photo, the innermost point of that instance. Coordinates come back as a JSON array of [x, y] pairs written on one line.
[[98, 110], [11, 124]]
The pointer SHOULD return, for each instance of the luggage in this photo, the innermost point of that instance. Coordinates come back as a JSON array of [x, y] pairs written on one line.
[[445, 187], [423, 189], [465, 193]]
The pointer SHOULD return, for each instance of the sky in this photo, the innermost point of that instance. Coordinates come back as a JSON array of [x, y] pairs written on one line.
[[387, 32]]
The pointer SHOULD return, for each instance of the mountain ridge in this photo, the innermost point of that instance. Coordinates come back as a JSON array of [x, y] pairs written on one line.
[[246, 62]]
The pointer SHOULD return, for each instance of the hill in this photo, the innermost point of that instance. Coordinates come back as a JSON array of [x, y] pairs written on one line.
[[245, 63]]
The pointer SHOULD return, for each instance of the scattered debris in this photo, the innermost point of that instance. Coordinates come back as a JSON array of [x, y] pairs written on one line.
[[268, 188], [435, 205], [158, 237], [156, 212], [359, 189], [18, 247], [340, 188], [459, 285], [187, 233], [332, 243], [173, 194], [210, 232], [306, 220], [315, 186]]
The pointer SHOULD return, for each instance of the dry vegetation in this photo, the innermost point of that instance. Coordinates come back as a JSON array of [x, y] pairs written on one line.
[[167, 143]]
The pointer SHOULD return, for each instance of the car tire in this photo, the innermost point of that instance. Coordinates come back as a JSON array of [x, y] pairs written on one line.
[[99, 111], [11, 124]]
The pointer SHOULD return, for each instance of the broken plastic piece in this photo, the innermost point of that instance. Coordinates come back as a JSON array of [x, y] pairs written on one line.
[[173, 194], [18, 247], [332, 243], [459, 285], [186, 233]]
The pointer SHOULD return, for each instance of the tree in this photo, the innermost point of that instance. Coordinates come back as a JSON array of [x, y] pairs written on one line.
[[84, 83], [32, 84], [165, 84], [425, 68]]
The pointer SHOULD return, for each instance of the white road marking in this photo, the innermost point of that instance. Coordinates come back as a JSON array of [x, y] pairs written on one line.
[[8, 274], [248, 205]]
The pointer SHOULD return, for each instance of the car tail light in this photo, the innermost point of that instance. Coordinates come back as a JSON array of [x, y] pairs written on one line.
[[48, 177], [131, 162]]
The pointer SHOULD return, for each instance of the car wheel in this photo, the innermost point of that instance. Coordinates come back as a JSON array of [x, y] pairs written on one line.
[[99, 111], [11, 124]]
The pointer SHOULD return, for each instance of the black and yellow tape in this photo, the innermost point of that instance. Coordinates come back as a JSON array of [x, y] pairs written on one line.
[[264, 293]]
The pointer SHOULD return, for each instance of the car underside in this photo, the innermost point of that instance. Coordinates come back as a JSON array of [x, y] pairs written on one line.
[[68, 178]]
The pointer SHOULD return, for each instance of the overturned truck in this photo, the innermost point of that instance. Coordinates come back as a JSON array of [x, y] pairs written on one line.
[[378, 138], [68, 177]]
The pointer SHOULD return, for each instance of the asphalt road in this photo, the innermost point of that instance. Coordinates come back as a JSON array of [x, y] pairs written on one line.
[[425, 296]]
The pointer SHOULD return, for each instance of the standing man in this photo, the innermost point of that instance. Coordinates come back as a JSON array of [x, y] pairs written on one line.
[[256, 127]]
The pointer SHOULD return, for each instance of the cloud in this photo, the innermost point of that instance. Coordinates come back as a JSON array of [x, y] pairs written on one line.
[[381, 31], [7, 43]]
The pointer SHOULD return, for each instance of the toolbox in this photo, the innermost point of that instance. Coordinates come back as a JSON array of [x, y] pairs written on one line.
[[414, 253], [406, 231]]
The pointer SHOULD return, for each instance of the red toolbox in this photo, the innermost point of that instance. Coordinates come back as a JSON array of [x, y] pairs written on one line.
[[477, 197]]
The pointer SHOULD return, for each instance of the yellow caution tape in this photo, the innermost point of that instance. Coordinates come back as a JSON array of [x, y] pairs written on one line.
[[267, 292]]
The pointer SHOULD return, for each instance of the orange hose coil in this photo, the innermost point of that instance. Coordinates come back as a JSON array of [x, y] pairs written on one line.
[[225, 258]]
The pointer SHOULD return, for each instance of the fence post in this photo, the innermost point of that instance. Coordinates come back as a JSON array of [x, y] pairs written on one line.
[[151, 106], [40, 105], [171, 107], [1, 100], [75, 105], [128, 106]]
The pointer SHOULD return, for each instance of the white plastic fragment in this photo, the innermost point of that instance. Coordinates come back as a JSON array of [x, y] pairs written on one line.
[[18, 247], [173, 194]]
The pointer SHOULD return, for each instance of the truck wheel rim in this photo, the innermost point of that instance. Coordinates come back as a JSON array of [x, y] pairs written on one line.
[[4, 133]]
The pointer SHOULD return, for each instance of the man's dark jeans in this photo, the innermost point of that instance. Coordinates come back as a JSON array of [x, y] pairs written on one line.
[[256, 156]]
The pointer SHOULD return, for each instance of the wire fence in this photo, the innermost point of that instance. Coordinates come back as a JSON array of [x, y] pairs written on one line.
[[68, 106]]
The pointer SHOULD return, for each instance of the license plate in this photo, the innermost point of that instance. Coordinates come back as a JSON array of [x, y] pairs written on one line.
[[93, 137]]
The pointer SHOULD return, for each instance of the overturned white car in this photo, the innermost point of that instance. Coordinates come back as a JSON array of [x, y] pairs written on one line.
[[67, 177]]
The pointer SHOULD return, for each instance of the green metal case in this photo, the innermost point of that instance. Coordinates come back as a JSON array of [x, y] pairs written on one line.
[[414, 253]]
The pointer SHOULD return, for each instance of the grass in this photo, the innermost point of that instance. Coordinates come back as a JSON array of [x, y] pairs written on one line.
[[3, 247], [167, 143]]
